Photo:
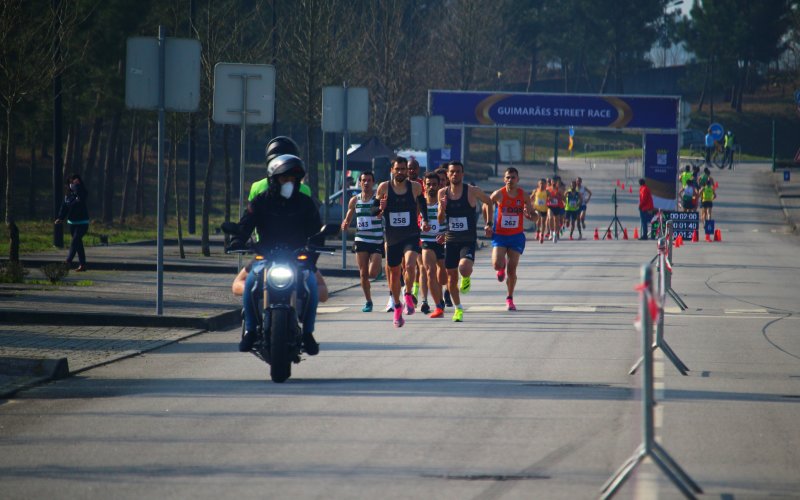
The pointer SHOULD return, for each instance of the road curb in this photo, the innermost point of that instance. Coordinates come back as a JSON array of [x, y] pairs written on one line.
[[211, 323], [17, 374], [170, 268]]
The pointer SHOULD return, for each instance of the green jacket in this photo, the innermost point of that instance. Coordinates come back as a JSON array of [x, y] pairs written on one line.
[[259, 187]]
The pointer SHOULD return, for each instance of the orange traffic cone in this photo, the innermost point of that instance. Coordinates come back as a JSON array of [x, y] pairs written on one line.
[[630, 189], [596, 234], [608, 234], [708, 237], [679, 241], [623, 186], [694, 236], [716, 185], [624, 233], [635, 233], [618, 183], [718, 235]]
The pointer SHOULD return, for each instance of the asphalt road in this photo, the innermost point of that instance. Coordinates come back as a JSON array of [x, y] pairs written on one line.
[[535, 403]]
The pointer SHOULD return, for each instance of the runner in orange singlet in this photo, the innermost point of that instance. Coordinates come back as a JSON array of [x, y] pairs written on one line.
[[508, 236]]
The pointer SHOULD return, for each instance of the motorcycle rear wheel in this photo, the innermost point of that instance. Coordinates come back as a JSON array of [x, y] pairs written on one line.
[[280, 350]]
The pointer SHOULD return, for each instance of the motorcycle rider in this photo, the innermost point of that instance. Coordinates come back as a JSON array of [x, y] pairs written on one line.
[[284, 218]]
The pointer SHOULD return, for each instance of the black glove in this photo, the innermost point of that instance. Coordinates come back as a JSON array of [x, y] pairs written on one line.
[[230, 228]]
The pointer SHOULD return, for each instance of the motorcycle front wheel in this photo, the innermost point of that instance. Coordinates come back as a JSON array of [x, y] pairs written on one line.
[[280, 350]]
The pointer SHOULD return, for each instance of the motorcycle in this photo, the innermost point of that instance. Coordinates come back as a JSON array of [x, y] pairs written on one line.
[[284, 300]]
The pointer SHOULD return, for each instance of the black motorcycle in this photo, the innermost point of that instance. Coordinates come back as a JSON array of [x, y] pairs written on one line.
[[282, 305]]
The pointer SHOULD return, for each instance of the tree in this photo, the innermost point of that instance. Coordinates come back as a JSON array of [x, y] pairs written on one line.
[[25, 65]]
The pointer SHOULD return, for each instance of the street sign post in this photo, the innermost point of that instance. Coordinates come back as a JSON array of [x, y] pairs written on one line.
[[344, 110], [427, 132], [162, 74], [243, 93]]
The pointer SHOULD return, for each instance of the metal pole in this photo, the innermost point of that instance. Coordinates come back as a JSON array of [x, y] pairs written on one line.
[[496, 148], [773, 146], [345, 144], [242, 135], [191, 179], [160, 195], [58, 177]]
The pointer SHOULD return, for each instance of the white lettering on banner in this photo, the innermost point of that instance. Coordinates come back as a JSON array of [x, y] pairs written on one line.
[[509, 221], [364, 223], [399, 219], [458, 223]]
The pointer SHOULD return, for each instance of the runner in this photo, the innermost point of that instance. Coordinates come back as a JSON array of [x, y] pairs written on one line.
[[400, 202], [457, 205], [444, 182], [508, 237], [573, 201], [433, 269], [586, 194], [707, 197], [555, 207], [369, 234], [413, 175], [539, 201]]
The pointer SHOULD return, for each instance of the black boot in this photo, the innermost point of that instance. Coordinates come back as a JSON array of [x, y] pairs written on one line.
[[248, 338], [310, 344]]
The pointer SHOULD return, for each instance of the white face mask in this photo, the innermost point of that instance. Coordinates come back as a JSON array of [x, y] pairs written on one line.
[[287, 189]]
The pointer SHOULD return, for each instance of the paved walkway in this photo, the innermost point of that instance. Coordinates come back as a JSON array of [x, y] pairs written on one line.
[[109, 312]]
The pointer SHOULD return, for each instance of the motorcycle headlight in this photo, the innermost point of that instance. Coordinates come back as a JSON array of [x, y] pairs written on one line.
[[280, 277]]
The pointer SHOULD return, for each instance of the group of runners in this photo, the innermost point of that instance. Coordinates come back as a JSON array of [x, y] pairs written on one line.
[[427, 229], [697, 189]]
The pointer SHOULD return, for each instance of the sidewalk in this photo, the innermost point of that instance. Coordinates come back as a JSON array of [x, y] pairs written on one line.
[[109, 312], [789, 195]]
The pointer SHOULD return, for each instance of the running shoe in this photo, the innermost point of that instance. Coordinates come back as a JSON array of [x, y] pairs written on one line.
[[510, 305], [501, 275], [409, 304], [465, 284], [390, 305], [447, 301], [415, 292], [437, 313], [458, 315], [398, 317], [367, 307], [425, 308]]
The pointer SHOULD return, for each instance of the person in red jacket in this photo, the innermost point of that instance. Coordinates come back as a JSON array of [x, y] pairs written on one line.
[[646, 207]]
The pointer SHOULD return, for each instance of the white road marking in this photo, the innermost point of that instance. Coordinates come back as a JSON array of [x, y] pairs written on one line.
[[329, 309]]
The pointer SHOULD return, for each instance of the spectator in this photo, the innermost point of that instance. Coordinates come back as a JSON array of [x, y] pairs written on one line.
[[75, 210], [646, 208], [709, 142]]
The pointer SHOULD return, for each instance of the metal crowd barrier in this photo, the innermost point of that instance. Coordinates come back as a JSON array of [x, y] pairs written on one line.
[[649, 307]]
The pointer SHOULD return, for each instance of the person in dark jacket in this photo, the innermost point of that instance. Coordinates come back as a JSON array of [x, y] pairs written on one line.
[[646, 207], [75, 210], [283, 217]]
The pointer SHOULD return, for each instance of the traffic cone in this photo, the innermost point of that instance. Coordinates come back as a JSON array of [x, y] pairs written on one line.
[[708, 237], [618, 183], [623, 186], [596, 234], [608, 234], [635, 233], [679, 241], [624, 233], [694, 236], [630, 189], [718, 235], [716, 184]]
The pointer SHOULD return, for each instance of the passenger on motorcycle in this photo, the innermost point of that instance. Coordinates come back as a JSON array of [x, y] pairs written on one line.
[[283, 218]]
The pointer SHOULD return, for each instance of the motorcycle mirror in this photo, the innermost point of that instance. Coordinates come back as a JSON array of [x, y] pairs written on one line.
[[329, 229]]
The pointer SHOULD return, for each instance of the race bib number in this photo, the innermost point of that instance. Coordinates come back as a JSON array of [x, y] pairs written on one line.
[[509, 221], [434, 227], [458, 223], [399, 219], [364, 223]]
